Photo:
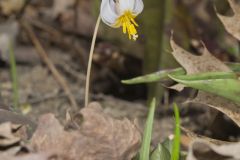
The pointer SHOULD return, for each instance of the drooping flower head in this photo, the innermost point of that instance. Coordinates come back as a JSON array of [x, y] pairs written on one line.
[[122, 13]]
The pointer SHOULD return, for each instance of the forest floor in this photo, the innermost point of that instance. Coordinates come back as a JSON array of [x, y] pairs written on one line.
[[42, 90]]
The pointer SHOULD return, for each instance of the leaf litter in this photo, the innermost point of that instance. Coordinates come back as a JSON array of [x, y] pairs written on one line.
[[232, 23], [203, 147], [98, 137], [52, 141], [200, 150], [206, 63]]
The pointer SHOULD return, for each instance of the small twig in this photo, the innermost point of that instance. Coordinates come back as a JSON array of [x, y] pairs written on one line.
[[90, 61], [57, 37], [42, 53]]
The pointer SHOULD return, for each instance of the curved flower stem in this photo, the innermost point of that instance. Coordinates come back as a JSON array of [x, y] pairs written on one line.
[[90, 61]]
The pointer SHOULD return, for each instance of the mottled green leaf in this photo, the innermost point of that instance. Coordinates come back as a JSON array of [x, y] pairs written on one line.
[[168, 143], [224, 84], [162, 75], [155, 77], [160, 153], [205, 76]]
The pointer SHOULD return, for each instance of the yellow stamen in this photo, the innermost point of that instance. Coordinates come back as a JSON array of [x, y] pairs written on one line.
[[128, 24]]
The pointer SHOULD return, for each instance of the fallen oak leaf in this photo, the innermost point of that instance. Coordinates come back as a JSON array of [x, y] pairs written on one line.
[[120, 138], [225, 106], [11, 139], [232, 24], [10, 152], [194, 64], [50, 136], [200, 150], [15, 118], [99, 137], [193, 136], [34, 156], [201, 64], [11, 6], [7, 139]]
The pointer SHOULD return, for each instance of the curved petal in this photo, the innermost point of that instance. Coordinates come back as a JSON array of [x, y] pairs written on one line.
[[138, 7], [108, 13], [126, 5]]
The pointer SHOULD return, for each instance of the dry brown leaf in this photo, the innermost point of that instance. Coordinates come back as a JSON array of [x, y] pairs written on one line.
[[232, 24], [99, 137], [15, 118], [206, 63], [31, 156], [194, 64], [202, 150], [10, 139], [11, 6], [193, 136], [177, 87], [11, 151], [225, 106], [7, 138], [50, 136]]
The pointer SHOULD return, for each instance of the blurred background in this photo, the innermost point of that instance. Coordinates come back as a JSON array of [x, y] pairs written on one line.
[[63, 29]]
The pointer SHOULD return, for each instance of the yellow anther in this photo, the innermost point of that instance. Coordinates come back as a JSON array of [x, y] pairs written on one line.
[[128, 24]]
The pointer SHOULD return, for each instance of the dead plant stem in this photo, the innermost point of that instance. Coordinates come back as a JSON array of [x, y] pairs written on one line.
[[42, 53]]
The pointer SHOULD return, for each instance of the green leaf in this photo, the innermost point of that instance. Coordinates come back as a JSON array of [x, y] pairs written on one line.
[[176, 142], [235, 67], [14, 76], [206, 76], [223, 84], [162, 75], [145, 148], [154, 77], [168, 143], [160, 153]]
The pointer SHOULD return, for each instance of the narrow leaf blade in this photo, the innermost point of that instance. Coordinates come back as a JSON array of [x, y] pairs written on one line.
[[162, 75], [227, 87], [154, 77], [145, 148], [177, 132]]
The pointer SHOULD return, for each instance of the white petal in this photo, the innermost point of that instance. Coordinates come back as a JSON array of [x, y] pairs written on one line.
[[125, 5], [138, 7], [108, 13]]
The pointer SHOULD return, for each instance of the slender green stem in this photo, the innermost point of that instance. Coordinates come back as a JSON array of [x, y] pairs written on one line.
[[14, 76], [90, 61]]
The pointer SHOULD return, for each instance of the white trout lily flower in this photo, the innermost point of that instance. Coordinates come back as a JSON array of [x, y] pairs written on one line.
[[122, 13]]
